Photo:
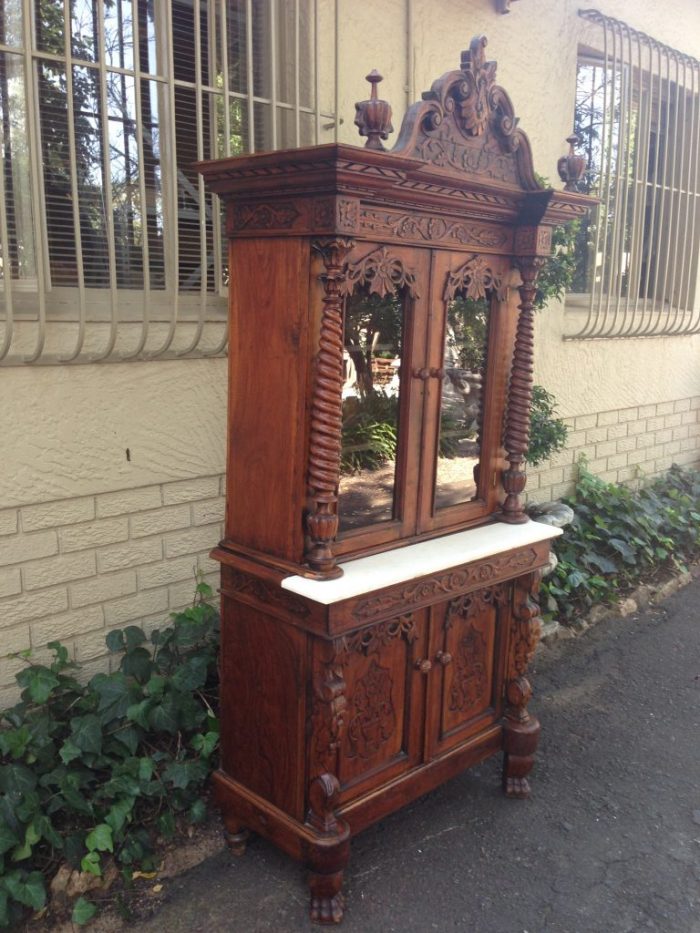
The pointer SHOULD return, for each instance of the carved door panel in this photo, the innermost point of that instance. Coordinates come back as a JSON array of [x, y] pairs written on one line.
[[467, 642], [376, 693]]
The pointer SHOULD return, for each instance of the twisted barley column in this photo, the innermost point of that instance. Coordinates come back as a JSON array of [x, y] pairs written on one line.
[[517, 433], [327, 416]]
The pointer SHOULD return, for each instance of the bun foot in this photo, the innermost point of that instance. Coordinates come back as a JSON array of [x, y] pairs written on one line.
[[327, 901], [236, 835]]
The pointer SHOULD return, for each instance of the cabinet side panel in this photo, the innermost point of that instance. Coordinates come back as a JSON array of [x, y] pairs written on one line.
[[262, 704], [267, 384]]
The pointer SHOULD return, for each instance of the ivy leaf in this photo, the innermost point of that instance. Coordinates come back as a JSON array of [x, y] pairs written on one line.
[[87, 733], [115, 640], [39, 681], [27, 889], [31, 837], [8, 839], [191, 675], [83, 911], [114, 693], [128, 737], [17, 779], [205, 743], [198, 811], [100, 838], [137, 663], [134, 636], [182, 773], [138, 713], [119, 812], [14, 741], [69, 752], [91, 863]]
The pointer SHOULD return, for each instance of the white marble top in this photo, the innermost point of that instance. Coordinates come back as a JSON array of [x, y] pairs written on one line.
[[416, 560]]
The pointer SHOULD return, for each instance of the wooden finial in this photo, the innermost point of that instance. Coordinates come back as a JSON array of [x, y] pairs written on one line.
[[571, 166], [373, 116]]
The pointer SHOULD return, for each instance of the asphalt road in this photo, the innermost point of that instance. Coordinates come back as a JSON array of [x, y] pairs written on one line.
[[608, 843]]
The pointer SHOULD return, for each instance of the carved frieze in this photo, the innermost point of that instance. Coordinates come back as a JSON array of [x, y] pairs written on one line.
[[474, 279], [264, 592], [430, 229], [445, 150], [444, 584], [536, 241], [277, 216], [384, 273], [339, 214]]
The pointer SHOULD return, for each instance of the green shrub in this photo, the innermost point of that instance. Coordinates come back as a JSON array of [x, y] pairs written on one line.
[[620, 536], [548, 433], [98, 771]]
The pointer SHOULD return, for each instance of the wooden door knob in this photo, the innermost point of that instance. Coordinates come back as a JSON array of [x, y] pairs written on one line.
[[423, 665], [421, 373], [444, 658], [437, 373]]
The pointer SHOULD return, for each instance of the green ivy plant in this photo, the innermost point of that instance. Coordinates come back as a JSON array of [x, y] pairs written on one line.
[[96, 772], [548, 433], [620, 536]]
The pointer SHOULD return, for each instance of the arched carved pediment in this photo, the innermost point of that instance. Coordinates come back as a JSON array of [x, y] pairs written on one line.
[[466, 123]]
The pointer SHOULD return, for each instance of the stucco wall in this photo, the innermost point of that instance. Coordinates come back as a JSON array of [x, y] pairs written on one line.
[[66, 429]]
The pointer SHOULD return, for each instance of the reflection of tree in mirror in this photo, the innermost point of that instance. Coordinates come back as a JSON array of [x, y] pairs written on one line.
[[467, 328], [372, 333]]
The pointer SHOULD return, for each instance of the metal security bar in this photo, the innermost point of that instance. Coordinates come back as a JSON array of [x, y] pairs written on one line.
[[638, 118], [111, 249]]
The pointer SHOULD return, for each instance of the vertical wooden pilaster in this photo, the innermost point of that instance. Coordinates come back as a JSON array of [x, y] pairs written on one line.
[[327, 417], [517, 433]]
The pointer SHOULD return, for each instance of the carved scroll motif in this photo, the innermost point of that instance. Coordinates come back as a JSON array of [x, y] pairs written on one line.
[[445, 584], [327, 415], [431, 229], [328, 715], [517, 429], [383, 272], [371, 640], [467, 122], [264, 216], [474, 279]]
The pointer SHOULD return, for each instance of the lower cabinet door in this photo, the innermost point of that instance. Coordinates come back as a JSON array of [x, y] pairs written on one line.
[[369, 702], [468, 638]]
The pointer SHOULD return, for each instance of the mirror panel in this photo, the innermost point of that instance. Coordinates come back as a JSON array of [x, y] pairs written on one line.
[[372, 348], [461, 405]]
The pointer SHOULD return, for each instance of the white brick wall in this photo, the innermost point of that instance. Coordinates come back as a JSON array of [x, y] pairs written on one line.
[[73, 569], [622, 446]]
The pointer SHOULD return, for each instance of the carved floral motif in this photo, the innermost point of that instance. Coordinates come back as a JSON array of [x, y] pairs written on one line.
[[372, 717], [384, 272], [373, 639], [470, 680], [474, 279]]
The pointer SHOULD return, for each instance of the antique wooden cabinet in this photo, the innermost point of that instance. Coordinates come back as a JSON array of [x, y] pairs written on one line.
[[378, 572]]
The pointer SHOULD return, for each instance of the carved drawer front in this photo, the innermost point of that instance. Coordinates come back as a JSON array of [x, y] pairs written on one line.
[[467, 641], [368, 703]]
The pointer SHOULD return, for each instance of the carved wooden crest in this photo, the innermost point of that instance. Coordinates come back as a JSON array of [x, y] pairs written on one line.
[[467, 123], [383, 272], [474, 279]]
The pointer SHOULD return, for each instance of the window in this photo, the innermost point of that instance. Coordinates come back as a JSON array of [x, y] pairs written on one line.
[[638, 120], [106, 105]]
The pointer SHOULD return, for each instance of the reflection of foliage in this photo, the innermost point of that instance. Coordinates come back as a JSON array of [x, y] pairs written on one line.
[[560, 268], [372, 328], [369, 431], [547, 432], [467, 332]]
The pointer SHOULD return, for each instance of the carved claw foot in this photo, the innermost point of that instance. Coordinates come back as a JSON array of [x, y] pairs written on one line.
[[327, 901], [516, 787]]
